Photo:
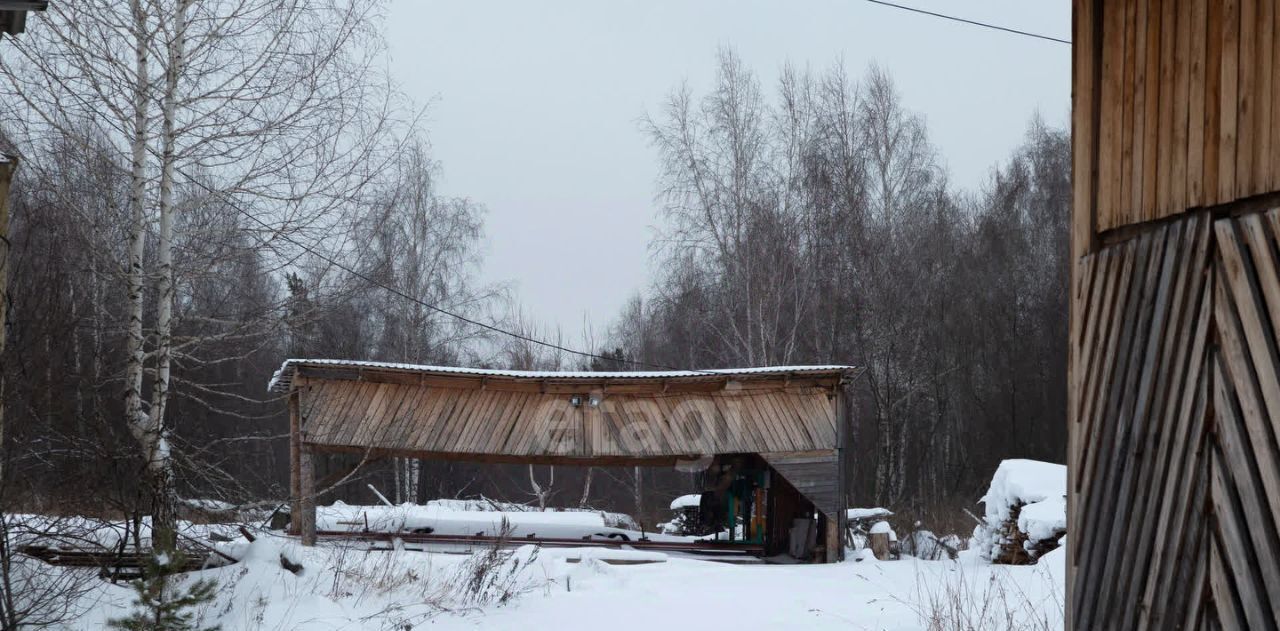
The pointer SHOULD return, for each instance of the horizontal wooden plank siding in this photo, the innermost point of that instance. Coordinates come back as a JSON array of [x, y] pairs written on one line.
[[815, 475]]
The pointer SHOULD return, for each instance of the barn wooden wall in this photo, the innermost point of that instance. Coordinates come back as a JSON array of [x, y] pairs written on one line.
[[1174, 492], [500, 422], [1184, 110]]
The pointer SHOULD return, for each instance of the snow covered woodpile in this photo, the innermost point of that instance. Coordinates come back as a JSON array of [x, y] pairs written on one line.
[[686, 517], [1026, 512], [693, 500]]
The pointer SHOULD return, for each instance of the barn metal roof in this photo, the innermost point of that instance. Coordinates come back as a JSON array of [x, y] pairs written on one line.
[[283, 377]]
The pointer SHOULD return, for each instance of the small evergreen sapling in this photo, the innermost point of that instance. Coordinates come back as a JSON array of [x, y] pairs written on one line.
[[160, 605]]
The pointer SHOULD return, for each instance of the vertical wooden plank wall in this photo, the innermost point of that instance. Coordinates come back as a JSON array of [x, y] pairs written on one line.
[[1184, 99], [1174, 450]]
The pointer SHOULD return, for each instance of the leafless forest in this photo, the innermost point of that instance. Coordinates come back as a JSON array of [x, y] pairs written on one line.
[[208, 188], [812, 222]]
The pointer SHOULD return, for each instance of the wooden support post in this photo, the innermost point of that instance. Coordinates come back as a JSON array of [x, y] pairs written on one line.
[[842, 466], [832, 540], [295, 464], [307, 504]]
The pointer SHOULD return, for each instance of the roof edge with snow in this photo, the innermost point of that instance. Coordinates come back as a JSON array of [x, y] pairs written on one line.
[[282, 380]]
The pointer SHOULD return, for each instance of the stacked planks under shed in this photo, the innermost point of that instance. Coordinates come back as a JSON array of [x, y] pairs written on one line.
[[791, 419], [1174, 463]]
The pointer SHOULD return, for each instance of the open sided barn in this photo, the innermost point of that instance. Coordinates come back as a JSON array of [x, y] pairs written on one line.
[[1174, 464], [771, 437]]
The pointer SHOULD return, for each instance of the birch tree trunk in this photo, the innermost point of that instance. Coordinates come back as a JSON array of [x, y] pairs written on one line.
[[155, 441], [639, 494], [413, 474], [586, 488], [542, 493], [138, 420]]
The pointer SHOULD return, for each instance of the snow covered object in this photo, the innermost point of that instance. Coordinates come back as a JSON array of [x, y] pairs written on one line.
[[1026, 512], [685, 516]]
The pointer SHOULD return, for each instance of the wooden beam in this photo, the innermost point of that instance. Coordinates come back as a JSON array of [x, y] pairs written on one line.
[[295, 461], [833, 546], [595, 461], [306, 517]]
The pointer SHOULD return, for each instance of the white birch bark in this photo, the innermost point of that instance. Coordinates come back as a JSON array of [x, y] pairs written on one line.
[[137, 418], [155, 439]]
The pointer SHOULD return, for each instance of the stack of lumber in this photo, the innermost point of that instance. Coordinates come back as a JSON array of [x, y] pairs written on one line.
[[111, 564]]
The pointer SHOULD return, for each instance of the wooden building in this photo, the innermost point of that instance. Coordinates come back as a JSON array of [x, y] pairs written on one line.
[[777, 432], [1174, 492], [13, 14]]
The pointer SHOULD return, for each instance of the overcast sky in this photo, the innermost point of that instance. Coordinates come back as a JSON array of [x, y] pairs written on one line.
[[534, 109]]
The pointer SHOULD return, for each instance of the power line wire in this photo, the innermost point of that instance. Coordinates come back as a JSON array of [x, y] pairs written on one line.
[[972, 22], [446, 312]]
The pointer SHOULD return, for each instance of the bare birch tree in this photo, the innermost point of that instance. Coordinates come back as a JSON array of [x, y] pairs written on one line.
[[274, 108]]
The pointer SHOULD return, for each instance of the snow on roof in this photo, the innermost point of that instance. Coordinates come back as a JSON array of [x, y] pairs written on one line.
[[282, 377], [868, 513], [1023, 482], [686, 501]]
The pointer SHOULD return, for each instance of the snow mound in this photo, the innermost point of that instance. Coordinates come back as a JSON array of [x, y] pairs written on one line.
[[924, 544]]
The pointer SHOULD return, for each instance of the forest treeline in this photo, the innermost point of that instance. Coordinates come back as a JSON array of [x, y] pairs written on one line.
[[812, 222], [203, 193]]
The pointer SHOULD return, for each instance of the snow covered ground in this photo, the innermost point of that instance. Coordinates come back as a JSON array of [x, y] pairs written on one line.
[[351, 587], [346, 584]]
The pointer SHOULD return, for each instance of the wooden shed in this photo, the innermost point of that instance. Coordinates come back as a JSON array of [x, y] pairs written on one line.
[[13, 14], [1174, 492], [786, 424]]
